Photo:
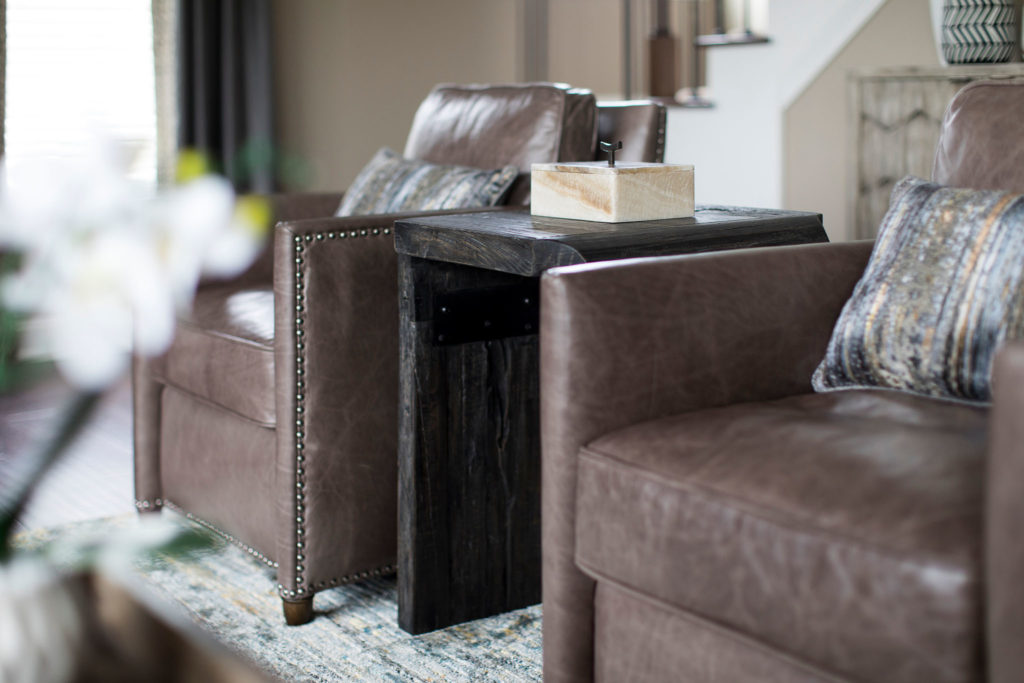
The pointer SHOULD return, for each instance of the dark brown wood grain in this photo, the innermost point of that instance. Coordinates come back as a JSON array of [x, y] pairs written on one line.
[[298, 612], [469, 474], [469, 424], [516, 242]]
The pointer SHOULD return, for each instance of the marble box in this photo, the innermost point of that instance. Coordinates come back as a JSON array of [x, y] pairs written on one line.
[[628, 191]]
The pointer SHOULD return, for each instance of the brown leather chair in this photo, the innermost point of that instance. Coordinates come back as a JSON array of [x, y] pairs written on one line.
[[307, 340], [638, 124], [706, 517], [272, 419]]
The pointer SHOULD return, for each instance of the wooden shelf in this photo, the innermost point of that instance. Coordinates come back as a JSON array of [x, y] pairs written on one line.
[[727, 39], [688, 102]]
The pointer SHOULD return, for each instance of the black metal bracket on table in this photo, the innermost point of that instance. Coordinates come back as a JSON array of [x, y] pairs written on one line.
[[489, 313]]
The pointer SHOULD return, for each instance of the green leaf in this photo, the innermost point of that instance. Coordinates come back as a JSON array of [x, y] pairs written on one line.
[[143, 540], [10, 324]]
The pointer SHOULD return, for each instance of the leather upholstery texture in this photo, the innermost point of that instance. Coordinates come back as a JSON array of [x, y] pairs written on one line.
[[785, 520], [273, 416], [705, 513], [973, 150], [517, 124], [1004, 512], [336, 363], [641, 640], [732, 327], [146, 391], [638, 125], [219, 469], [230, 333]]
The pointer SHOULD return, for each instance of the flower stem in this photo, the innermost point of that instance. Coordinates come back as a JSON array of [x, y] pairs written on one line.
[[26, 471]]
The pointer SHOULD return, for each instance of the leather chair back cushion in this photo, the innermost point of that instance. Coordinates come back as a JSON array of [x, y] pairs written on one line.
[[639, 125], [973, 150], [494, 126]]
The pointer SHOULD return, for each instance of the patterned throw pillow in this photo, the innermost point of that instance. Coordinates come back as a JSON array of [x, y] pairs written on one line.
[[941, 292], [390, 183]]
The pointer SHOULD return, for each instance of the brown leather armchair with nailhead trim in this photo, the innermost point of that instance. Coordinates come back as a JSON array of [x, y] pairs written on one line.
[[707, 518], [272, 419]]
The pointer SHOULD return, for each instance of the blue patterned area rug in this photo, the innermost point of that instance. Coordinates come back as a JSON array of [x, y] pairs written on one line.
[[354, 637]]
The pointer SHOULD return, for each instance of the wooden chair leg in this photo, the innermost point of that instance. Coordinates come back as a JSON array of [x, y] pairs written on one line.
[[298, 612]]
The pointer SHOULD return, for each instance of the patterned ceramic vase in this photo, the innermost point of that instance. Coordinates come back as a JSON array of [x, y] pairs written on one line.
[[978, 31]]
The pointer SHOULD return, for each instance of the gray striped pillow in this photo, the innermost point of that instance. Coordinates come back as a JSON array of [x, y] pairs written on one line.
[[942, 291], [390, 183]]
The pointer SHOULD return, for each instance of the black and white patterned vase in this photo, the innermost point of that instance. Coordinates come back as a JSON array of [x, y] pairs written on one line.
[[979, 31]]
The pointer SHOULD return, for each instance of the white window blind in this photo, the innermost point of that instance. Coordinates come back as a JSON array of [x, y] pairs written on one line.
[[76, 68]]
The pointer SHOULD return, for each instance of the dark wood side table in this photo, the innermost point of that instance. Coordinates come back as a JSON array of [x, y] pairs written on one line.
[[469, 442]]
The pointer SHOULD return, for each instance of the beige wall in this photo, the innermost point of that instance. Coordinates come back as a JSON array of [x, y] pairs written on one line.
[[585, 44], [350, 73], [817, 168]]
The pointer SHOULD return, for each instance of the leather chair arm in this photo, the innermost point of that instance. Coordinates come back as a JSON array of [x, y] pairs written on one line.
[[627, 341], [1004, 515], [336, 373], [381, 221]]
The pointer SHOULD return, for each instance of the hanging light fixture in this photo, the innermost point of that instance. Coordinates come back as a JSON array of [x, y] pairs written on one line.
[[662, 54]]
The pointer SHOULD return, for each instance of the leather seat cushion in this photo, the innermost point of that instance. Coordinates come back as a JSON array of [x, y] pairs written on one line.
[[845, 527], [223, 352]]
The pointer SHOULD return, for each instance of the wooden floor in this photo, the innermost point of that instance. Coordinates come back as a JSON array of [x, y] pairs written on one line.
[[94, 478]]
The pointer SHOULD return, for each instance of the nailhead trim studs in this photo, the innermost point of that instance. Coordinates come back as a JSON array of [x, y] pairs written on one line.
[[300, 360], [299, 592], [300, 408], [154, 504], [225, 535]]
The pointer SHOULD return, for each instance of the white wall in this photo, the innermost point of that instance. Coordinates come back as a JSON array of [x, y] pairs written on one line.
[[736, 147]]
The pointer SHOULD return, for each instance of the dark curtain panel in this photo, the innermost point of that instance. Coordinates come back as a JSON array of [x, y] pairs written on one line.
[[3, 71], [224, 87]]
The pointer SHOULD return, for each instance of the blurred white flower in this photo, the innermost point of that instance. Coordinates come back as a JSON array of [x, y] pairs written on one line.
[[40, 623], [45, 616], [107, 264]]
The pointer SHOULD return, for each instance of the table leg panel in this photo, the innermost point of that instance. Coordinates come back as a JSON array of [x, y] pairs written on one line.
[[469, 470]]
